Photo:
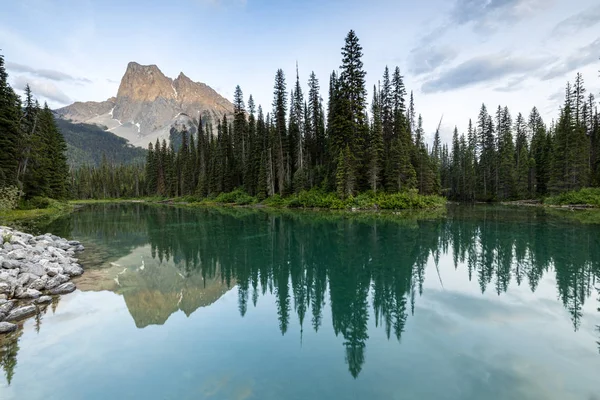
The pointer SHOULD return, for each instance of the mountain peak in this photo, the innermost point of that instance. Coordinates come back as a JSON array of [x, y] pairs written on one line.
[[147, 101]]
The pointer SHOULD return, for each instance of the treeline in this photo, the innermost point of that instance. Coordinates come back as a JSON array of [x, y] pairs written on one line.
[[298, 146], [500, 159], [32, 149], [352, 149]]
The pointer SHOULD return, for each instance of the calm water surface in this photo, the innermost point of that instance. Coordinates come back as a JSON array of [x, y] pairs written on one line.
[[479, 303]]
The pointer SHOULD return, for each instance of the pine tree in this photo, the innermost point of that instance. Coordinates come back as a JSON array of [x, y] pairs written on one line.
[[523, 184], [540, 153], [280, 138], [376, 143], [506, 155], [353, 103], [10, 110]]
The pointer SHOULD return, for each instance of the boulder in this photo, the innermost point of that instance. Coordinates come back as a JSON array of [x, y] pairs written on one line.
[[43, 300], [18, 254], [7, 327], [7, 246], [11, 264], [5, 287], [34, 269], [53, 271], [29, 294], [21, 312], [7, 306], [24, 279], [73, 270], [56, 281], [64, 288], [39, 283]]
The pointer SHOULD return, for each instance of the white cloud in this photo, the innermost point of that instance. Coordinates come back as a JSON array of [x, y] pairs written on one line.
[[41, 88]]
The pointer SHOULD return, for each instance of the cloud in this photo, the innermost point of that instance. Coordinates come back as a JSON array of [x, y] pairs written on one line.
[[428, 59], [45, 73], [512, 85], [482, 69], [41, 88], [584, 56], [488, 15], [578, 22]]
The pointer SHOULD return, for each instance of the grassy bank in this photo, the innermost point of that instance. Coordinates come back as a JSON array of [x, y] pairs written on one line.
[[589, 197], [30, 214], [313, 199]]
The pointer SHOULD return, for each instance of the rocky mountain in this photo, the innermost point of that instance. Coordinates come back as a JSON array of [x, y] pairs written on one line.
[[148, 104]]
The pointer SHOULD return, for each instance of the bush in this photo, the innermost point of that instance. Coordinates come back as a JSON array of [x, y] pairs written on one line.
[[586, 196], [36, 203], [9, 197], [238, 197]]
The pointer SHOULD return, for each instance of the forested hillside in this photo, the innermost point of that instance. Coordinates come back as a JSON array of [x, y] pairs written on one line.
[[87, 144]]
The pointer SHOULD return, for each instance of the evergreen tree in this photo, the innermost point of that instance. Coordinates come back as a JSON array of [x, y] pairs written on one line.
[[376, 143], [10, 112], [280, 139]]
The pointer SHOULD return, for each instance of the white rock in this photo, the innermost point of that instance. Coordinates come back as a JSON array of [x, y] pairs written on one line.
[[29, 294], [43, 300], [7, 327], [73, 270], [21, 312], [56, 281]]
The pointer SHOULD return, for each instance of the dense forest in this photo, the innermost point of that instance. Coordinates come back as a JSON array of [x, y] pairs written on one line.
[[32, 149], [347, 146], [90, 144]]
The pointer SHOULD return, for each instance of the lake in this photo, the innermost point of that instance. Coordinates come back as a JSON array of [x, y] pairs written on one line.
[[472, 303]]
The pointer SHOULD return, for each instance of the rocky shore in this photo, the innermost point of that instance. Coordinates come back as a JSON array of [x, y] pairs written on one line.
[[32, 270]]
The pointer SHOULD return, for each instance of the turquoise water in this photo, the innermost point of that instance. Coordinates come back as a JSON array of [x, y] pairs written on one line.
[[477, 303]]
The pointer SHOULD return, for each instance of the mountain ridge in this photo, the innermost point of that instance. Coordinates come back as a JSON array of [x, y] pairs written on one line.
[[148, 104]]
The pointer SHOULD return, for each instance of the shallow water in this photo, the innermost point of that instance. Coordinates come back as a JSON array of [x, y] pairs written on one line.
[[479, 303]]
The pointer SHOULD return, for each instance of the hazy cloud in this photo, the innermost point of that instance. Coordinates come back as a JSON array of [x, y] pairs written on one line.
[[482, 69], [42, 88], [512, 85], [428, 59], [45, 73], [584, 56], [488, 15], [585, 19]]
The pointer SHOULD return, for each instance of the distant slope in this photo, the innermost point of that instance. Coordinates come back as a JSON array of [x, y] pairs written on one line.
[[87, 143]]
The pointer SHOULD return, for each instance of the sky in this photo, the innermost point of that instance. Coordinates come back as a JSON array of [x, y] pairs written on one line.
[[454, 54]]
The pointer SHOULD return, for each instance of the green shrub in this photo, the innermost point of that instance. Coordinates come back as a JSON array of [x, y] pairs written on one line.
[[6, 238], [9, 198], [238, 196], [586, 196], [36, 203]]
